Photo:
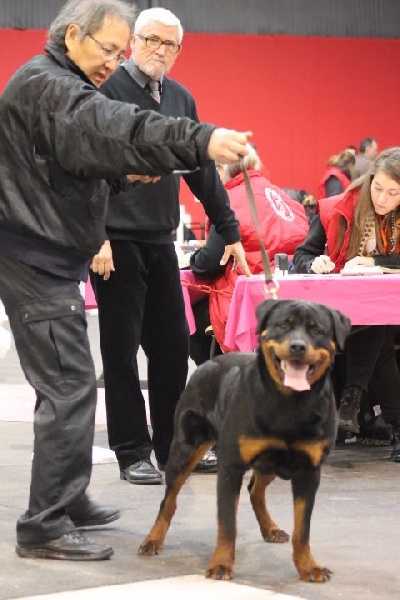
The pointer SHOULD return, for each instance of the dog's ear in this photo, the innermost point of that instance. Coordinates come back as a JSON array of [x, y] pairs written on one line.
[[341, 326], [263, 311]]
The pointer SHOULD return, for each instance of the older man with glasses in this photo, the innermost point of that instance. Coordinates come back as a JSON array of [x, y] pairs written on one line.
[[138, 287], [60, 140]]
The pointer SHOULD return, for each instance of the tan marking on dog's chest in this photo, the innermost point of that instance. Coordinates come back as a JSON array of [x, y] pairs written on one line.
[[314, 450], [250, 448]]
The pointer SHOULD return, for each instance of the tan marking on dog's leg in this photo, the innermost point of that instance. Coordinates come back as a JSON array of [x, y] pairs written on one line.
[[154, 541], [314, 450], [221, 565], [269, 529], [308, 569], [252, 447]]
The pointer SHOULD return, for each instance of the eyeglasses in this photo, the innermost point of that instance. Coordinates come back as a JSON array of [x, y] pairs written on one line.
[[108, 53], [155, 43]]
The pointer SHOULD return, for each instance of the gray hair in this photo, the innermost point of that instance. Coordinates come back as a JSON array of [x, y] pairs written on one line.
[[89, 15], [250, 161], [160, 15]]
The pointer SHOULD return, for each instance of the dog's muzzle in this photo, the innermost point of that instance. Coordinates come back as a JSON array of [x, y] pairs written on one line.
[[294, 364]]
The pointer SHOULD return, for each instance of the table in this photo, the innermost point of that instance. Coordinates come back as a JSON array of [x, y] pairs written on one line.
[[191, 295], [90, 300], [366, 300]]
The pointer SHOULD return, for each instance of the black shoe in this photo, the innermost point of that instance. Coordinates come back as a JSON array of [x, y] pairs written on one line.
[[70, 546], [374, 431], [208, 464], [90, 514], [344, 437], [142, 472], [395, 456], [349, 409]]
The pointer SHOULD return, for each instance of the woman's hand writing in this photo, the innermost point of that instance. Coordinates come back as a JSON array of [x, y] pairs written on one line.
[[322, 264]]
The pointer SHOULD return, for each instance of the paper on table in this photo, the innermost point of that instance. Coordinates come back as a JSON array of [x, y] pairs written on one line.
[[369, 270], [362, 270]]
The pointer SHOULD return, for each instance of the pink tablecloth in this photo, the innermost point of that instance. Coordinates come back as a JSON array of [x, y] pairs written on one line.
[[366, 300], [191, 295], [90, 300]]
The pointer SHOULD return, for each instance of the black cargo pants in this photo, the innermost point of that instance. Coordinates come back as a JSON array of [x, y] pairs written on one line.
[[47, 319]]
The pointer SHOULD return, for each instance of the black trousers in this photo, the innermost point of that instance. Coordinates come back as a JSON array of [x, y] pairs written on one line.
[[201, 344], [371, 362], [47, 319], [142, 304]]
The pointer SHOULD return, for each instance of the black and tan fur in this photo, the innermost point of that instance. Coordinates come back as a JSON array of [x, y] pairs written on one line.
[[239, 401]]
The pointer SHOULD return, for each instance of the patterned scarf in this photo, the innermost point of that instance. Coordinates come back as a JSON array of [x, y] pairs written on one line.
[[387, 227]]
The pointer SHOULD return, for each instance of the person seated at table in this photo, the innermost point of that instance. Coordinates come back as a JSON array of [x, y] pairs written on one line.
[[362, 227], [304, 198], [282, 224], [337, 175]]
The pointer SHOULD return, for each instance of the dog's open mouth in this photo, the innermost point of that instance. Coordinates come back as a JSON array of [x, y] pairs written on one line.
[[295, 374], [296, 371]]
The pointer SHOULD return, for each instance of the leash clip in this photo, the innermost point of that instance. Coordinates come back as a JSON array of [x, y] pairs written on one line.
[[272, 291]]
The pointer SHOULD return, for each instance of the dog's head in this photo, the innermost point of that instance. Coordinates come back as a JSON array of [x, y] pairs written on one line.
[[298, 340]]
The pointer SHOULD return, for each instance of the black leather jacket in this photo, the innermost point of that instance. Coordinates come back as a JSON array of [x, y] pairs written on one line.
[[60, 139]]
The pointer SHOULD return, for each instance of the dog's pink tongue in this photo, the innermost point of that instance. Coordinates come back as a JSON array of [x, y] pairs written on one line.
[[296, 376]]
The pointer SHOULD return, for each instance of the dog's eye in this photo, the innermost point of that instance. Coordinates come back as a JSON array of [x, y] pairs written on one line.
[[315, 330], [284, 326]]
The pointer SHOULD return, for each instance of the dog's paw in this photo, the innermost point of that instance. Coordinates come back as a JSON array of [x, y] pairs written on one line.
[[221, 572], [316, 574], [150, 548], [276, 536]]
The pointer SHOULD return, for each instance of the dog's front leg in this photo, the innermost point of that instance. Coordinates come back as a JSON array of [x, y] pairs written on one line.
[[304, 487], [269, 529], [229, 484]]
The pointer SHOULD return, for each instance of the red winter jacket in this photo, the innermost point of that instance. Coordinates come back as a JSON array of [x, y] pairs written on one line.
[[330, 210], [283, 226], [332, 171]]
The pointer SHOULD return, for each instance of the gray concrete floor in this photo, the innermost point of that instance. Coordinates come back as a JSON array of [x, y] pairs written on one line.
[[355, 527]]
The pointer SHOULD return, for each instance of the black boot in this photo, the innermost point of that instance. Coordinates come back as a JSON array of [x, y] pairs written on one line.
[[349, 409], [395, 456], [374, 431]]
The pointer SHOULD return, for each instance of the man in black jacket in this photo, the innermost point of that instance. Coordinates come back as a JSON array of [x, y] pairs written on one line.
[[60, 139], [138, 290]]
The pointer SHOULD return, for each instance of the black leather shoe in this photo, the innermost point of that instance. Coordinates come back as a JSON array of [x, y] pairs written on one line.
[[208, 464], [70, 546], [142, 472], [90, 514]]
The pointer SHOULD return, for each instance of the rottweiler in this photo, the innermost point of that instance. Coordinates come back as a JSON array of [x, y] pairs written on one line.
[[272, 411]]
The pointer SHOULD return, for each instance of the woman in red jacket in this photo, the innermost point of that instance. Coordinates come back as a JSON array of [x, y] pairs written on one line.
[[337, 176], [362, 227], [283, 225]]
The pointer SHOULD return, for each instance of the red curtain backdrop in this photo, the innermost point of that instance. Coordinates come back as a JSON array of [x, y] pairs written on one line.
[[304, 98]]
